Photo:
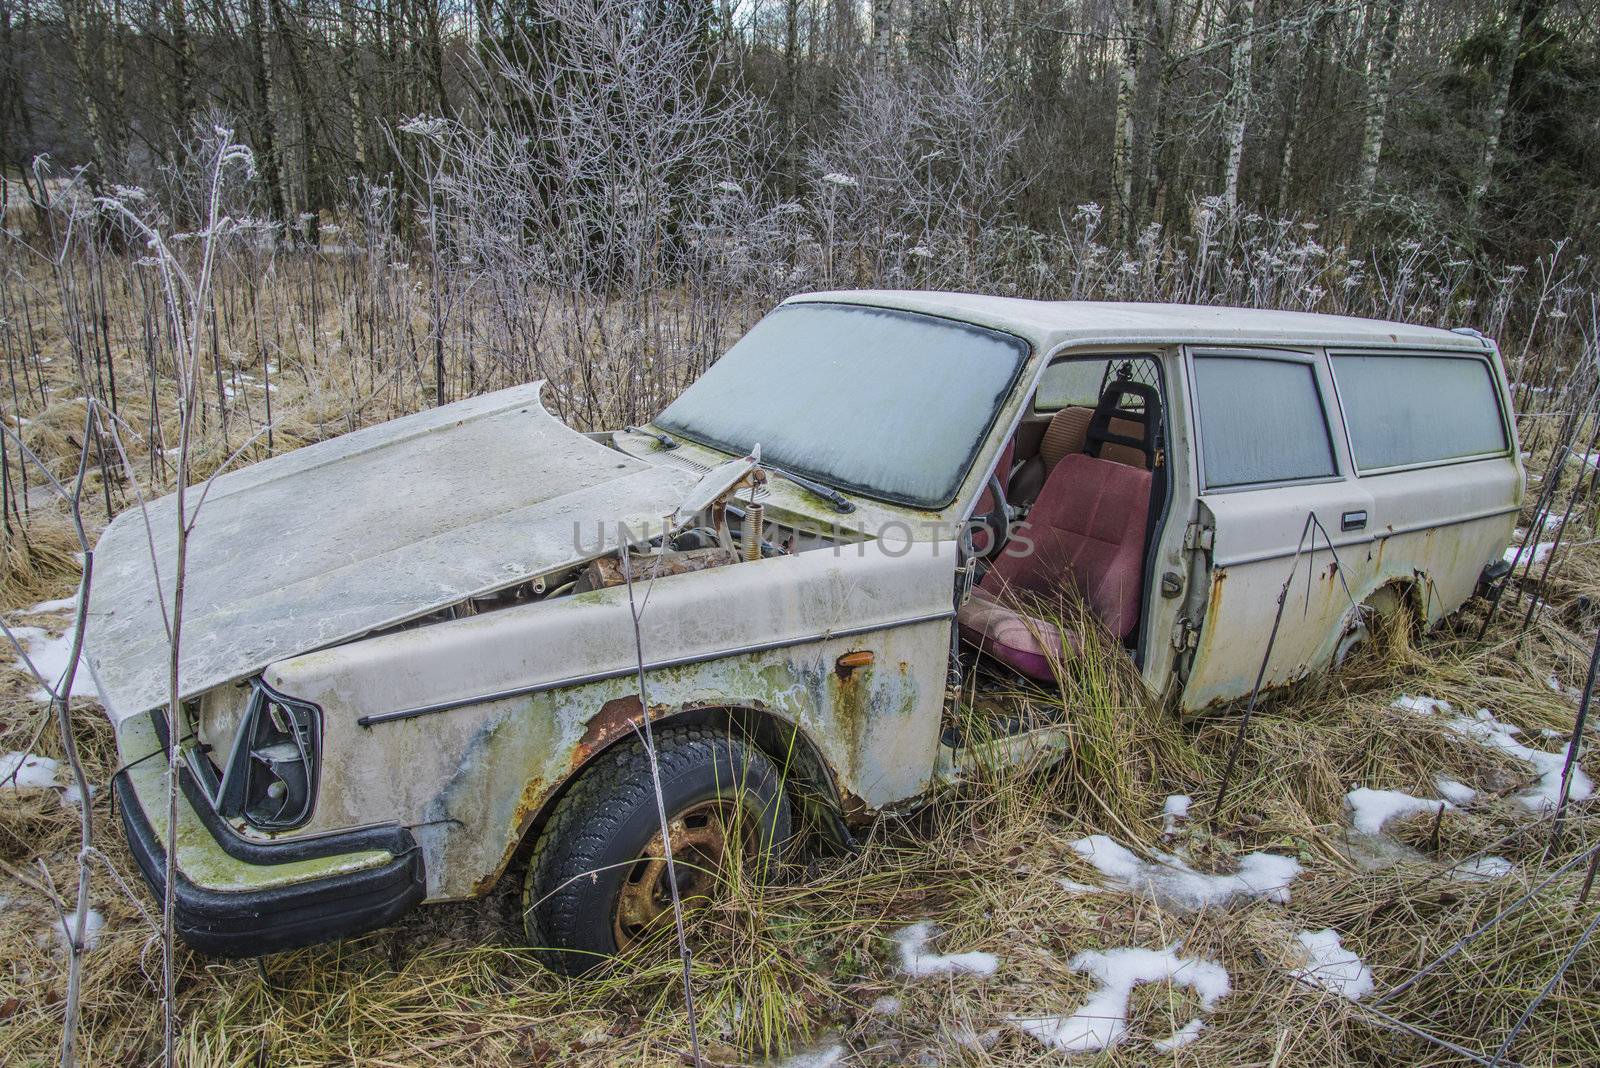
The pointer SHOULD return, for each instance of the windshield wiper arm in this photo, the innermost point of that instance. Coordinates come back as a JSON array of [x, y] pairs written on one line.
[[832, 496], [664, 440]]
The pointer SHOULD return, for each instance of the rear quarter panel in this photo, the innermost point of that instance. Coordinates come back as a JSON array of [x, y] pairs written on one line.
[[1430, 531]]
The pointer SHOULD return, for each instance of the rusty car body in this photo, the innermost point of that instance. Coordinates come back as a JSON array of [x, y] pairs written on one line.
[[403, 647]]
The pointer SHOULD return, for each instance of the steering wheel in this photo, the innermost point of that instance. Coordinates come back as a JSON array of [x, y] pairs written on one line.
[[996, 521]]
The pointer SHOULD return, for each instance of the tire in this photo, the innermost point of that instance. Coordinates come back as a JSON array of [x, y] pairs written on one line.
[[580, 890]]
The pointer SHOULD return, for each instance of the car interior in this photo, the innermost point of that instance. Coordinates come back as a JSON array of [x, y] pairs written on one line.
[[1088, 482]]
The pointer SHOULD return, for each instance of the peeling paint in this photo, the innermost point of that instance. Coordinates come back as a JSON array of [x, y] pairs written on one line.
[[480, 775]]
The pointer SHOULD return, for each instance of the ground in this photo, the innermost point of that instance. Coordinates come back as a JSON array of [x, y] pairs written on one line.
[[1034, 884]]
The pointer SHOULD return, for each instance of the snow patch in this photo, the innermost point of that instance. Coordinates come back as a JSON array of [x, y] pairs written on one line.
[[1371, 809], [966, 1036], [1483, 728], [917, 962], [24, 771], [1073, 886], [1539, 553], [61, 604], [1458, 793], [1549, 522], [1102, 1021], [887, 1005], [1425, 705], [1482, 870], [822, 1057], [93, 924], [1171, 880], [50, 655], [1332, 967], [1182, 1036], [1175, 808]]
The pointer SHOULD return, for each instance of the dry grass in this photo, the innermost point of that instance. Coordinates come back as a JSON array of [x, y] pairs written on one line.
[[808, 955], [805, 957]]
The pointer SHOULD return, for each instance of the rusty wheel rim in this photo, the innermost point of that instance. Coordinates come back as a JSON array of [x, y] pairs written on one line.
[[700, 841]]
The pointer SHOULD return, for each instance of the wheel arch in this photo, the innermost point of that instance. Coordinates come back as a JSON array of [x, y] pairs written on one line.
[[1396, 592], [798, 757], [1382, 605]]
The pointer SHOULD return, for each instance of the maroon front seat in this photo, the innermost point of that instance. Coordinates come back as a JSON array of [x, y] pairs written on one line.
[[1085, 532]]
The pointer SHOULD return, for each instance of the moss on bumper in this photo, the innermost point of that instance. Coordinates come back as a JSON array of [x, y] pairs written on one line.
[[201, 858]]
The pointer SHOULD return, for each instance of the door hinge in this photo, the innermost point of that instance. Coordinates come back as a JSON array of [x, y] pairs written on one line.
[[1184, 634], [1199, 536], [966, 578]]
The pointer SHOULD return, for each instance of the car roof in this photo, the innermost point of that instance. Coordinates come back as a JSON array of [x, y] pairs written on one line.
[[1049, 323]]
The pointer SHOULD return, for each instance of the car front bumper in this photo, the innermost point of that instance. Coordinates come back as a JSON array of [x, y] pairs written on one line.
[[238, 898]]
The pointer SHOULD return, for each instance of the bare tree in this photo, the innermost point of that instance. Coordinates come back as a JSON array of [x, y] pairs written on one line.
[[1239, 100], [918, 163], [1380, 73], [1127, 33], [882, 33], [187, 298], [1513, 22], [60, 693]]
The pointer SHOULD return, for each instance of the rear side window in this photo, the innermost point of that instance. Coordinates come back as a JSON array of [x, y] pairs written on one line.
[[1261, 420], [1406, 410], [1070, 383]]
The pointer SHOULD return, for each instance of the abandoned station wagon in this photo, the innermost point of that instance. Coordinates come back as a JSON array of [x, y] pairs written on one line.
[[409, 662]]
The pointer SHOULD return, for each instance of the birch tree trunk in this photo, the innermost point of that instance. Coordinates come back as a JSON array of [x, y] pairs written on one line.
[[182, 73], [1239, 102], [1380, 73], [1122, 222], [791, 94], [78, 15], [1512, 28], [265, 132], [350, 68], [882, 31]]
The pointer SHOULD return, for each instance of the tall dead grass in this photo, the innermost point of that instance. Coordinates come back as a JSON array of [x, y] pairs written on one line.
[[808, 956], [342, 337]]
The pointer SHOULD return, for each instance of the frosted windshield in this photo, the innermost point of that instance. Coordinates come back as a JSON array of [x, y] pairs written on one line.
[[891, 404]]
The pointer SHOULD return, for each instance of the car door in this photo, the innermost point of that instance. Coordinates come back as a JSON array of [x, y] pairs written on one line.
[[1266, 458]]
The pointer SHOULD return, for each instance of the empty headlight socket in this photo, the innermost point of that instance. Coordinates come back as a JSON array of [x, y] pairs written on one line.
[[270, 779]]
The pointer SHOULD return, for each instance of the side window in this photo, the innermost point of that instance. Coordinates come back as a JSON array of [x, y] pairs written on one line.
[[1261, 420], [1070, 383], [1405, 410]]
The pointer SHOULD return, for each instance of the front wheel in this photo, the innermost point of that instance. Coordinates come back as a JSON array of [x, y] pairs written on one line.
[[597, 881]]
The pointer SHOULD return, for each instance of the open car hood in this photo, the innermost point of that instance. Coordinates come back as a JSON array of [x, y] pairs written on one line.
[[358, 533]]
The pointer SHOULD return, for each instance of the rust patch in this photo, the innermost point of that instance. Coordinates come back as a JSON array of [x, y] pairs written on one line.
[[851, 700], [1218, 575], [854, 811], [605, 726], [529, 802], [607, 570]]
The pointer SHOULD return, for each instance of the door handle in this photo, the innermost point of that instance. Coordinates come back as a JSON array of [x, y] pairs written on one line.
[[1353, 521]]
